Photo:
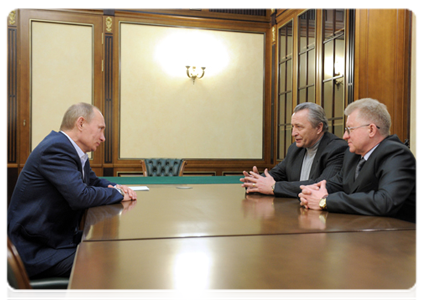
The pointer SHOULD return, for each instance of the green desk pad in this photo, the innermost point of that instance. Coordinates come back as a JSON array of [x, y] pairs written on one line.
[[176, 180]]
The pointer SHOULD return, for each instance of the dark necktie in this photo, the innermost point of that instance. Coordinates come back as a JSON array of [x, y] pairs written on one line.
[[359, 166]]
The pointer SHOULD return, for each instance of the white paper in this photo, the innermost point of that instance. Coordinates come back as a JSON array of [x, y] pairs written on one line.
[[139, 188]]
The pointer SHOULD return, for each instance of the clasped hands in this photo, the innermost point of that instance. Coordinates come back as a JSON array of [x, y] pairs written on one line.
[[129, 193], [311, 195], [255, 183]]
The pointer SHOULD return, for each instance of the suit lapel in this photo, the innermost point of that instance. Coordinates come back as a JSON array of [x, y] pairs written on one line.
[[74, 153], [296, 167], [323, 143]]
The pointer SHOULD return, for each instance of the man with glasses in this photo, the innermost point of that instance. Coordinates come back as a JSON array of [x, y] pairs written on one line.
[[378, 173], [316, 154]]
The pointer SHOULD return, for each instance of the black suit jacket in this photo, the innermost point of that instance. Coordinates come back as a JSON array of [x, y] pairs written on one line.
[[49, 199], [385, 185], [326, 163]]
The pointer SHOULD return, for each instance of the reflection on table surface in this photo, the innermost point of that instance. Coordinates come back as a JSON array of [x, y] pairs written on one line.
[[347, 260], [201, 210]]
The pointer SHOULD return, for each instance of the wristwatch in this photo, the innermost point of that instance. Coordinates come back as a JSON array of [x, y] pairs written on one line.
[[120, 191], [273, 186], [322, 203]]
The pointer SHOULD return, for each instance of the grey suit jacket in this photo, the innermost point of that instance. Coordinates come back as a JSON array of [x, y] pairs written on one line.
[[385, 186], [326, 163]]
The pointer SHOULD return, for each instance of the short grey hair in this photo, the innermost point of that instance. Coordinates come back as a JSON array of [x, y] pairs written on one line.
[[316, 114], [373, 111], [81, 109]]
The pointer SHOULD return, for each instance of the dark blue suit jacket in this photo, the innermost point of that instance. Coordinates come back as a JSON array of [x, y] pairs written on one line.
[[326, 163], [49, 200]]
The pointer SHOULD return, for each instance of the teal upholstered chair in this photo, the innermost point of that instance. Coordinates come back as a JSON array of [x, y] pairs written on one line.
[[18, 278], [163, 167]]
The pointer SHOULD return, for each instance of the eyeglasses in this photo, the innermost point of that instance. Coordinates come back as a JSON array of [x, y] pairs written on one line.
[[348, 129]]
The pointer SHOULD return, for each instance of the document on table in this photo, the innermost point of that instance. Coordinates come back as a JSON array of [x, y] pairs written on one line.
[[139, 188]]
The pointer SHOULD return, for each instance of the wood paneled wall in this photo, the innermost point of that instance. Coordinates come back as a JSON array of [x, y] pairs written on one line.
[[383, 63]]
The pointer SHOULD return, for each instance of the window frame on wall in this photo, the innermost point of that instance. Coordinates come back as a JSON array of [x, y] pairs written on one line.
[[306, 56], [335, 77], [285, 88], [304, 74]]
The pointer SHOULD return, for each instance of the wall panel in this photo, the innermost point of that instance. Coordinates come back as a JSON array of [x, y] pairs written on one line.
[[383, 55], [61, 73], [164, 114], [50, 66]]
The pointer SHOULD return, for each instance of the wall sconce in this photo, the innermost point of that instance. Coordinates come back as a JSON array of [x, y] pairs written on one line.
[[193, 73]]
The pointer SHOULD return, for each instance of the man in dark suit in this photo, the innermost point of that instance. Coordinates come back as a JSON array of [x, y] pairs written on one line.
[[378, 174], [315, 155], [54, 189]]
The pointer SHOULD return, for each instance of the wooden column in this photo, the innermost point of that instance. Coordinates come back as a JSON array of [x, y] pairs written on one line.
[[12, 103], [382, 62], [108, 90]]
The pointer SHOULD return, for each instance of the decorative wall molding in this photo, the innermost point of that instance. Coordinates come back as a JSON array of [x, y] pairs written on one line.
[[109, 23], [12, 89], [108, 98], [12, 17]]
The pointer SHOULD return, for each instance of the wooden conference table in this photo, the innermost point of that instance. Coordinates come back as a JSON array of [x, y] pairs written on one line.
[[207, 233]]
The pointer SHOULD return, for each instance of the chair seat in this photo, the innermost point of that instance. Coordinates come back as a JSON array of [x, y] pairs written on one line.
[[49, 283]]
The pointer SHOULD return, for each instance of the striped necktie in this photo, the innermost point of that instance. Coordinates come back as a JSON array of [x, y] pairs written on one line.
[[359, 166]]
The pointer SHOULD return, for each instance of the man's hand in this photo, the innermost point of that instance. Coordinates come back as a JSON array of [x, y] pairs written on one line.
[[248, 176], [311, 195], [255, 183], [129, 194]]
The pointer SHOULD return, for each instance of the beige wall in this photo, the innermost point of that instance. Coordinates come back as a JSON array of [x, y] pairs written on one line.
[[415, 86], [163, 114], [61, 73]]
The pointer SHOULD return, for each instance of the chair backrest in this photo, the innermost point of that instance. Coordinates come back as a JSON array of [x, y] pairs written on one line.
[[16, 273], [163, 167]]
